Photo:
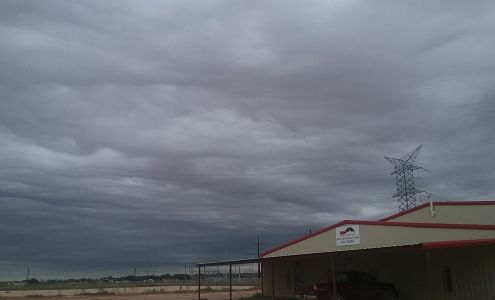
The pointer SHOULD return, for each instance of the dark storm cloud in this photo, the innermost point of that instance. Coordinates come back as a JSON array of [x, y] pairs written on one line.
[[162, 133]]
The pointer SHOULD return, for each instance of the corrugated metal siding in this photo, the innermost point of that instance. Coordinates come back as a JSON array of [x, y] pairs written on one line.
[[283, 270], [267, 275], [473, 273]]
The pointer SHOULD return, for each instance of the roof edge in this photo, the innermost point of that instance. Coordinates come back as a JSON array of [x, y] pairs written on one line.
[[380, 223], [439, 203], [228, 262], [302, 238], [458, 243]]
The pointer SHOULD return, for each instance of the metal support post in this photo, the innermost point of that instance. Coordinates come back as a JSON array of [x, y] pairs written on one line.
[[273, 280], [262, 281], [429, 275], [230, 281], [334, 281], [199, 282]]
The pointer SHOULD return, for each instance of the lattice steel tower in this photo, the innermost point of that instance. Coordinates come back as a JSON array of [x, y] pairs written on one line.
[[404, 178]]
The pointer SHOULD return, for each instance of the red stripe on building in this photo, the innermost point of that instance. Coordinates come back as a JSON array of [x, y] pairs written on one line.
[[458, 244]]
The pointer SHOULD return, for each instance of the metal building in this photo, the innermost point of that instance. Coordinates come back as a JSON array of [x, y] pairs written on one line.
[[438, 250]]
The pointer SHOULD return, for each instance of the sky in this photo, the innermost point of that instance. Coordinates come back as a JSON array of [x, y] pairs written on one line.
[[154, 134]]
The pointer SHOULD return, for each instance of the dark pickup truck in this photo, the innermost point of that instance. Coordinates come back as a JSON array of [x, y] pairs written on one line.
[[350, 286]]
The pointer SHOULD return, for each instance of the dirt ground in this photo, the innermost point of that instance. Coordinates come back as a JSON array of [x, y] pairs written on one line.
[[163, 296]]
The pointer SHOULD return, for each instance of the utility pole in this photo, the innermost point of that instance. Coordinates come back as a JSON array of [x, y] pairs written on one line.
[[258, 255], [27, 274], [134, 271], [259, 263], [258, 245]]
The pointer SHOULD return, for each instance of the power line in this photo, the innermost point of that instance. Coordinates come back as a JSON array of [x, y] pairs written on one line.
[[462, 185], [456, 183]]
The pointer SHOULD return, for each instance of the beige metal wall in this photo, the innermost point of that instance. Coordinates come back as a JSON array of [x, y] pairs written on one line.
[[284, 277], [473, 273], [455, 214], [472, 270], [376, 236]]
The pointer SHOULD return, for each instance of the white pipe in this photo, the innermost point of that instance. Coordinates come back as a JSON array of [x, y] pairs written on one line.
[[432, 210]]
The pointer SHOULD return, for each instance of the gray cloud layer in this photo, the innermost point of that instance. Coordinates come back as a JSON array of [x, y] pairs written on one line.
[[161, 133]]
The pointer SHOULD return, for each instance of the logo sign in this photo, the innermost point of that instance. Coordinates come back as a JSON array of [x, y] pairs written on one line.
[[347, 235]]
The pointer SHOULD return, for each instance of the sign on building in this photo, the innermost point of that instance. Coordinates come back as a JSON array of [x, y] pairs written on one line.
[[347, 235]]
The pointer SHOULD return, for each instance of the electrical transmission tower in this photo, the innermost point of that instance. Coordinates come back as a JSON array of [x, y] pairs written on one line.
[[404, 178]]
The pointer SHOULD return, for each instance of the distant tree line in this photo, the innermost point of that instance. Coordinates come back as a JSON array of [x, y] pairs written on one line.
[[128, 278], [143, 278]]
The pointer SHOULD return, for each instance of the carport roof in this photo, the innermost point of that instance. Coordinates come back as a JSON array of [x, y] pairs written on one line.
[[229, 262]]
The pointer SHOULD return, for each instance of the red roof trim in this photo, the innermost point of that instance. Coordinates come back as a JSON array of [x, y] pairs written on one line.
[[440, 203], [305, 237], [382, 223], [405, 212], [425, 225], [458, 244]]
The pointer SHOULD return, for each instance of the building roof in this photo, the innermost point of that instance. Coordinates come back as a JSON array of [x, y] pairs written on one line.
[[439, 203]]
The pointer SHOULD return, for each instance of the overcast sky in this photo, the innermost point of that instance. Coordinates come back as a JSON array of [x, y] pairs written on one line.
[[161, 133]]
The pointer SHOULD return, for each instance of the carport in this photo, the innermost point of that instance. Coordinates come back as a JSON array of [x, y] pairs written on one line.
[[228, 263], [382, 263]]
